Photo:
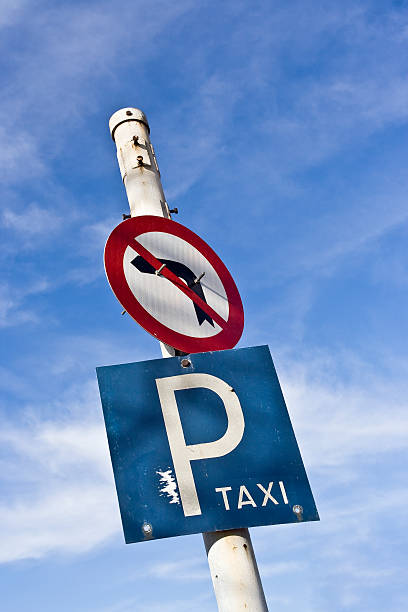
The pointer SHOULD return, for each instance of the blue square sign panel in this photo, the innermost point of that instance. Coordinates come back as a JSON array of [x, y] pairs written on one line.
[[202, 443]]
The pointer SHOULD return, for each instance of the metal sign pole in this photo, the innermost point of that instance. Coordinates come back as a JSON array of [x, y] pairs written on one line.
[[234, 571], [140, 173], [231, 557]]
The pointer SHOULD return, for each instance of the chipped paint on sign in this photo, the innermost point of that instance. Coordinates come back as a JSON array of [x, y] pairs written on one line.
[[170, 488]]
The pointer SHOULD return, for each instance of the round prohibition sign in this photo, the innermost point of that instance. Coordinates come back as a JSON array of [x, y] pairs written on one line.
[[173, 284]]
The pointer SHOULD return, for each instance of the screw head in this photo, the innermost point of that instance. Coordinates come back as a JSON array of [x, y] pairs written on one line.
[[185, 363], [297, 509], [147, 529], [129, 113]]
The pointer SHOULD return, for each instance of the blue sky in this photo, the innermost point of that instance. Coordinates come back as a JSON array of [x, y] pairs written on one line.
[[280, 130]]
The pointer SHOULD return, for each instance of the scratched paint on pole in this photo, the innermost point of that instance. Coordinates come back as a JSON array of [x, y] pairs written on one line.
[[202, 448]]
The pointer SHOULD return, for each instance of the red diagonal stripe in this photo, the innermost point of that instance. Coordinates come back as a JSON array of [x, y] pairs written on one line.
[[173, 278]]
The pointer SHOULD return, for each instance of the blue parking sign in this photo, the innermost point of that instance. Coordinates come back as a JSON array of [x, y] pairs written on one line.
[[202, 443]]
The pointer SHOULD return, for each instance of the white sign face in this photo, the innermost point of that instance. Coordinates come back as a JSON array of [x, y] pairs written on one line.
[[162, 299], [174, 285]]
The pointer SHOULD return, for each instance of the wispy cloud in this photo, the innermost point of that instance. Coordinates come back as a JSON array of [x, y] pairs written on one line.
[[165, 603], [58, 492], [184, 570], [205, 119], [31, 221], [20, 156], [52, 77], [344, 421], [13, 310], [282, 567]]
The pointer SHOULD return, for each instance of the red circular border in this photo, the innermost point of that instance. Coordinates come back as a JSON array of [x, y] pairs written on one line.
[[115, 248]]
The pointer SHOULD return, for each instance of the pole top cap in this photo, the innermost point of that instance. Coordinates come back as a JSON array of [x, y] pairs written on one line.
[[127, 114]]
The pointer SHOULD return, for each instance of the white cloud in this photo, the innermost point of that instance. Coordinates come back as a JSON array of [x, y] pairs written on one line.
[[69, 48], [186, 569], [70, 519], [93, 237], [165, 603], [341, 422], [282, 567], [20, 156], [53, 82], [59, 489], [205, 118], [31, 221], [12, 310]]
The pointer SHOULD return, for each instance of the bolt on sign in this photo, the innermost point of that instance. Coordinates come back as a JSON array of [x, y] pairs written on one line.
[[202, 443]]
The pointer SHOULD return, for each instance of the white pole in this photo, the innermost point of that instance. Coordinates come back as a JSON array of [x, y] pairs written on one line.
[[231, 558], [140, 173], [137, 163], [234, 571]]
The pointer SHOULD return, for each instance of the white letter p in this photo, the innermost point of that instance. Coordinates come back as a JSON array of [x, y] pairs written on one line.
[[183, 453]]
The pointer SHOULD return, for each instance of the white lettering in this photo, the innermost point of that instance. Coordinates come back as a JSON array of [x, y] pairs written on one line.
[[282, 488], [183, 454], [224, 490], [249, 500], [241, 503], [267, 494]]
